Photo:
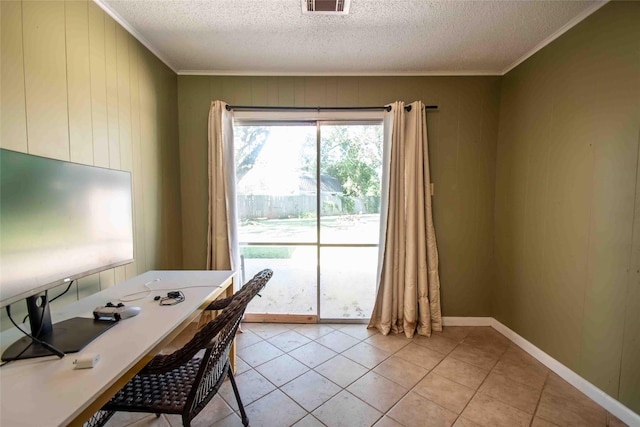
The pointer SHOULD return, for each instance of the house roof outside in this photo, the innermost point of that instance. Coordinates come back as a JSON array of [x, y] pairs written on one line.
[[259, 181]]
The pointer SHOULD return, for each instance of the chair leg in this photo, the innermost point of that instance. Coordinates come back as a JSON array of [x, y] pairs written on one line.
[[245, 419]]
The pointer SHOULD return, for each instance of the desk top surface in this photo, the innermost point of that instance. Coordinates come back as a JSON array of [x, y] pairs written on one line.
[[48, 391]]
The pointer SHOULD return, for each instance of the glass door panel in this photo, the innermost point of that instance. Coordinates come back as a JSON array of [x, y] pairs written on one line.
[[276, 183], [351, 159], [292, 289], [347, 282]]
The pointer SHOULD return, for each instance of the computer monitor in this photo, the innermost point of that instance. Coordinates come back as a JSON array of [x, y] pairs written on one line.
[[59, 221]]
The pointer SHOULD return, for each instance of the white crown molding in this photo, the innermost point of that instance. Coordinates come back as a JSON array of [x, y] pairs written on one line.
[[566, 27], [333, 74], [625, 414], [120, 20]]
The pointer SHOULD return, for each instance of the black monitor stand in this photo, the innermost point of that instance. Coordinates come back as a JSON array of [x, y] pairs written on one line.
[[68, 336]]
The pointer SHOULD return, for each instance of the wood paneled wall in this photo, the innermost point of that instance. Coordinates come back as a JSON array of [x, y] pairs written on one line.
[[462, 146], [568, 201], [76, 86]]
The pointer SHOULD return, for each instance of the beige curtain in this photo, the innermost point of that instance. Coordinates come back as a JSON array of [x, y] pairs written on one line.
[[222, 234], [408, 299], [222, 230]]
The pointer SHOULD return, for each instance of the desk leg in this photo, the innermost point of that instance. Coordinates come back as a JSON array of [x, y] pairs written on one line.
[[209, 315], [232, 352]]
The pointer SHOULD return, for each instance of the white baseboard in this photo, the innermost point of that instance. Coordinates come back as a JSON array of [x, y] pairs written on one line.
[[625, 414], [467, 321]]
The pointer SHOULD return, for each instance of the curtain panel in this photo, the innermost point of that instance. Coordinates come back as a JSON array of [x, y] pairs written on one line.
[[222, 230], [408, 299], [222, 234]]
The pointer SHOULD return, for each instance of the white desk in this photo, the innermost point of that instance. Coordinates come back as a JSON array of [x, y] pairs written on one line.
[[49, 392]]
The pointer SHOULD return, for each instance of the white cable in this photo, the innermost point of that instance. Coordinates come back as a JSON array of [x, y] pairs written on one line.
[[147, 292], [126, 298]]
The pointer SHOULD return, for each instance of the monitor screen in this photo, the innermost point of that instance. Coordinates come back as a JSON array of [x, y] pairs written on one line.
[[59, 221]]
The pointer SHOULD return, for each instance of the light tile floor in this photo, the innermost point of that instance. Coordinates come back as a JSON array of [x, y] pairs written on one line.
[[347, 375]]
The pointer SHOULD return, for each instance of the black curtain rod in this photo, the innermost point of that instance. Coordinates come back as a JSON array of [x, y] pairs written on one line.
[[265, 108]]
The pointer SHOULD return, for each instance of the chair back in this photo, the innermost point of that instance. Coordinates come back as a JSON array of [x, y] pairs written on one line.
[[218, 333]]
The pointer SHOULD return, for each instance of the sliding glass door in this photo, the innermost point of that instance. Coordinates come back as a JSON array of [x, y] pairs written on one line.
[[309, 208]]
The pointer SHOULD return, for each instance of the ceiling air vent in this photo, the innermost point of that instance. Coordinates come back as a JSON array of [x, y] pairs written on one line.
[[325, 7]]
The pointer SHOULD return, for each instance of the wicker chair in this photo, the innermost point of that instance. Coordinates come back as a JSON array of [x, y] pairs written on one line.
[[181, 382]]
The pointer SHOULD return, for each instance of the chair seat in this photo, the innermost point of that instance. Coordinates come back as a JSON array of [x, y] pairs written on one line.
[[165, 393]]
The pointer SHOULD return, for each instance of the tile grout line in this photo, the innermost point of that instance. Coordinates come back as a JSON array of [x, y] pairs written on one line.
[[328, 379], [293, 379], [411, 389], [535, 411], [476, 391], [460, 342], [370, 370], [360, 340]]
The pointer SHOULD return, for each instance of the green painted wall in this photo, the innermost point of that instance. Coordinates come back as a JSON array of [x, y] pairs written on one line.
[[567, 210], [462, 146], [76, 86]]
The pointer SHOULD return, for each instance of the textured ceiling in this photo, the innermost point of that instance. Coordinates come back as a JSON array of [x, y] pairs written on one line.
[[377, 37]]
